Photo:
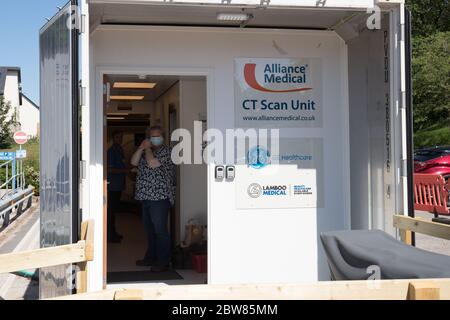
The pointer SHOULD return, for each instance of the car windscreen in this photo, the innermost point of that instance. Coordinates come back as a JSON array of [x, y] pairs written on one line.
[[425, 155]]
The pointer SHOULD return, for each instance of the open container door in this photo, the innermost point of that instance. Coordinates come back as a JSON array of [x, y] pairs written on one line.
[[59, 144]]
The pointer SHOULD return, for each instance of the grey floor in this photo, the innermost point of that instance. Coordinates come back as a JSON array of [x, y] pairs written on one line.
[[21, 235], [122, 257], [429, 243]]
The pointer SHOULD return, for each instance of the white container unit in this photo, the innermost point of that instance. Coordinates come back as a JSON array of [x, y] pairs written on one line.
[[337, 90]]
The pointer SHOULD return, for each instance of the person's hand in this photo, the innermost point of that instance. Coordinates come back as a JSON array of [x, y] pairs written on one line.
[[145, 145], [154, 163]]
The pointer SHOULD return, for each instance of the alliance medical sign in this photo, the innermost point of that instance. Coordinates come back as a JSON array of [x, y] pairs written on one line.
[[277, 93]]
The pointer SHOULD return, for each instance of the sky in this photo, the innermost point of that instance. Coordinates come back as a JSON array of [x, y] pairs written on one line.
[[19, 38]]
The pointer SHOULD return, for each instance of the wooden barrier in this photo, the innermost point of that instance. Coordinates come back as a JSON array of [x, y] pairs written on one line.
[[431, 193], [405, 223], [78, 253], [336, 290], [82, 252], [417, 289]]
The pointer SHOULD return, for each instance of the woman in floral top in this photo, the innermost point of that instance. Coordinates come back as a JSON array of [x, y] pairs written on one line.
[[155, 188]]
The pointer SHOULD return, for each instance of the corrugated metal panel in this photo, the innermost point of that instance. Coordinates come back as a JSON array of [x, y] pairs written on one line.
[[56, 147]]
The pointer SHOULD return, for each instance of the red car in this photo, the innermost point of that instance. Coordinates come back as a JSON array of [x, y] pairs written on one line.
[[433, 160]]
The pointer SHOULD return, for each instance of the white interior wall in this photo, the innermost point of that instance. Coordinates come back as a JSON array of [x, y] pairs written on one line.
[[161, 109], [193, 178], [188, 97], [247, 245], [368, 92]]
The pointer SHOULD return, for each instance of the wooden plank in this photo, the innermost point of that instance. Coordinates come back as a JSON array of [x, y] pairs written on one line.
[[82, 277], [423, 291], [102, 295], [87, 234], [41, 258], [336, 290], [406, 236], [89, 238], [438, 230], [129, 294]]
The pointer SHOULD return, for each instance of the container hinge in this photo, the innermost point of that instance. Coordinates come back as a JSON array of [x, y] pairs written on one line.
[[404, 168], [82, 94], [388, 191], [83, 169], [403, 100], [82, 27]]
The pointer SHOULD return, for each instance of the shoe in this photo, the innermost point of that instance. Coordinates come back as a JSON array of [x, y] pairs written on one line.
[[158, 269], [144, 263]]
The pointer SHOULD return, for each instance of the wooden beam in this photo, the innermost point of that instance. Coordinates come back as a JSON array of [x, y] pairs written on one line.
[[336, 290], [41, 258], [87, 234], [423, 291], [89, 238], [406, 236], [438, 230], [129, 294]]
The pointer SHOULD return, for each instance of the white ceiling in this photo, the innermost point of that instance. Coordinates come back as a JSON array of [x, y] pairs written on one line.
[[163, 83], [173, 14]]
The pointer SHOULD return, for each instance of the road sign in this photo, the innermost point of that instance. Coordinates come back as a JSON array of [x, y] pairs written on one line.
[[20, 137], [21, 154], [6, 156]]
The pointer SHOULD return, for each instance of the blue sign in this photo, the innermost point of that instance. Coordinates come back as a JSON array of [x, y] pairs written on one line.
[[258, 157], [7, 156]]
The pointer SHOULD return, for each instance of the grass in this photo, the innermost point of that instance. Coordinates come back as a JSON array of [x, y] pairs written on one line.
[[437, 135]]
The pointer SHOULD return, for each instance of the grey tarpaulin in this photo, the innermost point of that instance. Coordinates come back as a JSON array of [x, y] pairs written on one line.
[[355, 254]]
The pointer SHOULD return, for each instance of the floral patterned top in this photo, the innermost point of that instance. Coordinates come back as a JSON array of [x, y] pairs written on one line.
[[156, 184]]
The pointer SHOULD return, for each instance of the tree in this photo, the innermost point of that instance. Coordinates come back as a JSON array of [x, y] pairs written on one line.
[[429, 16], [431, 80], [8, 122], [431, 71]]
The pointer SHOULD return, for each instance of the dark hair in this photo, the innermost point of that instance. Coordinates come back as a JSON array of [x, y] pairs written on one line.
[[156, 127], [116, 133]]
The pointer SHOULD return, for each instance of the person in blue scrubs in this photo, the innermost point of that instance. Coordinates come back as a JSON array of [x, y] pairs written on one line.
[[117, 171]]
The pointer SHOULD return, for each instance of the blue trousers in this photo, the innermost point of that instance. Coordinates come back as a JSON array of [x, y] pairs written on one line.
[[155, 215]]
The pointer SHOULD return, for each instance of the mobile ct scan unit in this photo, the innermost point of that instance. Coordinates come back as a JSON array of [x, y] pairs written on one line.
[[338, 90]]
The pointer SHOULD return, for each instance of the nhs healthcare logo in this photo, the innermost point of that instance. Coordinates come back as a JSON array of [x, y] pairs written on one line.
[[258, 157], [276, 93]]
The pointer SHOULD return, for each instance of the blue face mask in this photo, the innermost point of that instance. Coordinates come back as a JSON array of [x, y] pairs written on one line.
[[157, 141]]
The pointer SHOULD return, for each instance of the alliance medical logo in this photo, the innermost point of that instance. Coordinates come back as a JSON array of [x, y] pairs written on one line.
[[277, 73]]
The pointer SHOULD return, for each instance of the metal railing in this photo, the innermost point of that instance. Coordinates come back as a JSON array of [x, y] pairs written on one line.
[[15, 195], [14, 177]]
